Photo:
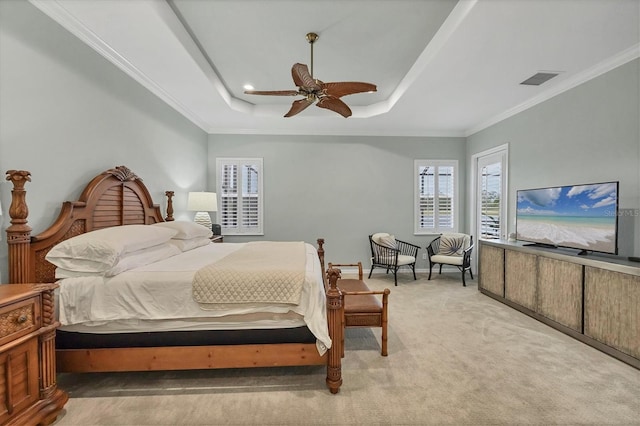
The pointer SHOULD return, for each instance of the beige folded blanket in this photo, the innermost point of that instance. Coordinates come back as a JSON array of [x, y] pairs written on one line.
[[259, 272]]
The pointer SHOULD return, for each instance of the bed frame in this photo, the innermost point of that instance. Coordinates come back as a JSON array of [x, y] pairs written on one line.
[[118, 197]]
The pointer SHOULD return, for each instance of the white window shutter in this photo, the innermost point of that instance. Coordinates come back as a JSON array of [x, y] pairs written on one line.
[[436, 196], [240, 187]]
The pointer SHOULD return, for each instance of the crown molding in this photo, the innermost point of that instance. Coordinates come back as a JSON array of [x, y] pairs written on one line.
[[67, 20], [601, 68]]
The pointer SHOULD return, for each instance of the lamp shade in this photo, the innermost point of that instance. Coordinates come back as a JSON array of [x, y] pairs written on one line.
[[202, 202]]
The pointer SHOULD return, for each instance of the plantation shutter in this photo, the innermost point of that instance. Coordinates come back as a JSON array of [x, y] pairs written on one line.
[[445, 198], [240, 188], [436, 196], [250, 197], [427, 197], [490, 187], [229, 197]]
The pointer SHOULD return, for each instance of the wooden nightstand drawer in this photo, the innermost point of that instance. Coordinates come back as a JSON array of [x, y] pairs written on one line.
[[19, 319]]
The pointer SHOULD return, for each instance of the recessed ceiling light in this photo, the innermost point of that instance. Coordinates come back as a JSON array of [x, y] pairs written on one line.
[[248, 87]]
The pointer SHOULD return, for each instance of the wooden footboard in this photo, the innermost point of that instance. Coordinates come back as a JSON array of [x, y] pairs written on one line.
[[118, 197]]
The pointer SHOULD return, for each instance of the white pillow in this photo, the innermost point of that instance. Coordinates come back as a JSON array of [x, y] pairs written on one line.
[[453, 244], [186, 245], [186, 230], [81, 266], [98, 251], [127, 261], [142, 257], [384, 239]]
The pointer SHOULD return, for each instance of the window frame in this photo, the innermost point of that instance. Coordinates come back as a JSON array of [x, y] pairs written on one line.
[[455, 199], [240, 162]]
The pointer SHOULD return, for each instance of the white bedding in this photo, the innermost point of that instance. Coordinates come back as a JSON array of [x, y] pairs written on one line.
[[161, 293]]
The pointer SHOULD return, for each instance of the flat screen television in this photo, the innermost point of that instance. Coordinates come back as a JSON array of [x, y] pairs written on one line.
[[583, 217]]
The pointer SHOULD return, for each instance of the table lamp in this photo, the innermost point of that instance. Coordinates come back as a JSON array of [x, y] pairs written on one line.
[[202, 203]]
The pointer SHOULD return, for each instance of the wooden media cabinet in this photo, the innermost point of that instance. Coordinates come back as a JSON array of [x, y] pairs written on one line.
[[593, 298]]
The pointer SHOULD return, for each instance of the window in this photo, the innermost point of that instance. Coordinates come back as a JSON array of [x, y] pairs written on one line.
[[436, 196], [239, 186]]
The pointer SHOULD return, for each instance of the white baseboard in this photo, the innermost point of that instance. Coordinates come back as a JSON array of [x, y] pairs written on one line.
[[376, 271]]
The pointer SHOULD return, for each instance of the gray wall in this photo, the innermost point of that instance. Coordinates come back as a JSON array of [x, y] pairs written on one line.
[[339, 188], [67, 114], [588, 134]]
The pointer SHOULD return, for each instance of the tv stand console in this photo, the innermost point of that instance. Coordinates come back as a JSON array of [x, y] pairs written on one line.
[[591, 298]]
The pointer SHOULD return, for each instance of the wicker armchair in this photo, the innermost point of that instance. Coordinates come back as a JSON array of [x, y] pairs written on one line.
[[391, 254], [451, 249]]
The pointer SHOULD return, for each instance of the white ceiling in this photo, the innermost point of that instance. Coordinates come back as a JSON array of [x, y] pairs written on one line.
[[442, 67]]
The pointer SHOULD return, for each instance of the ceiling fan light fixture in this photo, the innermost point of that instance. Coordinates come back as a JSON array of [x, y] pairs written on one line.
[[248, 87], [327, 95]]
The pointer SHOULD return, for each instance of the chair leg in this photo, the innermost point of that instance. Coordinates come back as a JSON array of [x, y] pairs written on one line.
[[430, 267], [395, 276], [464, 284], [440, 273], [471, 272], [413, 268], [371, 270]]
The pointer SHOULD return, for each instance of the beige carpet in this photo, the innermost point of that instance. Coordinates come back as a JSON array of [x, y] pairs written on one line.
[[456, 357]]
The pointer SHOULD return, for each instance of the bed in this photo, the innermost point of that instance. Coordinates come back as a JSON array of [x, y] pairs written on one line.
[[119, 198]]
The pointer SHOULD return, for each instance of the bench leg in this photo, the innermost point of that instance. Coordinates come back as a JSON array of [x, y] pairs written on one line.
[[384, 339], [384, 321]]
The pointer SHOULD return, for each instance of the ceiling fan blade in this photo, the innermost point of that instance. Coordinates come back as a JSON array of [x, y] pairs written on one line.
[[302, 78], [272, 92], [334, 104], [344, 88], [299, 106]]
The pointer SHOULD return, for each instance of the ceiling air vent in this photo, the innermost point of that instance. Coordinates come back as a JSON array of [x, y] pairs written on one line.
[[539, 78]]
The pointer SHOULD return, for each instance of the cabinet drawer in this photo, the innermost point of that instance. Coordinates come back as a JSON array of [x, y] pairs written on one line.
[[19, 318]]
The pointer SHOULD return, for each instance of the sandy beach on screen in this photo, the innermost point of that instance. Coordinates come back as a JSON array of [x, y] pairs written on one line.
[[587, 237]]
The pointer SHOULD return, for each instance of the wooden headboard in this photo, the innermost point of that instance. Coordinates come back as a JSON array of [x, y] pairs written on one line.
[[115, 197]]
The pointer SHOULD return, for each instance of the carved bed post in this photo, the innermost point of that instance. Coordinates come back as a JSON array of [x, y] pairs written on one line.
[[19, 233], [169, 195], [334, 314], [321, 257]]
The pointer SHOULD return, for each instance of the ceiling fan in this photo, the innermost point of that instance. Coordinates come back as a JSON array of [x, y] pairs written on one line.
[[327, 94]]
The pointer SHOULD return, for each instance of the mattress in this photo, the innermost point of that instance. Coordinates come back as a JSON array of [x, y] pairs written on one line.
[[158, 297]]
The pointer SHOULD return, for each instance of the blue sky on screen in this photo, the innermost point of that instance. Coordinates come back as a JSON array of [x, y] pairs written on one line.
[[578, 200]]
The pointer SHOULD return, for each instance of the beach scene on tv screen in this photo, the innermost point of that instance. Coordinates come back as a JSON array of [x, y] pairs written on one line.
[[580, 216]]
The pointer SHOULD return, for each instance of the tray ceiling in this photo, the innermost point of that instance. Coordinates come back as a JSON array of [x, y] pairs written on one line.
[[442, 67]]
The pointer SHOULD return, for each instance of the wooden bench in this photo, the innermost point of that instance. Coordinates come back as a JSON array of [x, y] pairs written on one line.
[[362, 306]]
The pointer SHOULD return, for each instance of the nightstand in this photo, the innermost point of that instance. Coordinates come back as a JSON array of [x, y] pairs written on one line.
[[27, 355], [217, 239]]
